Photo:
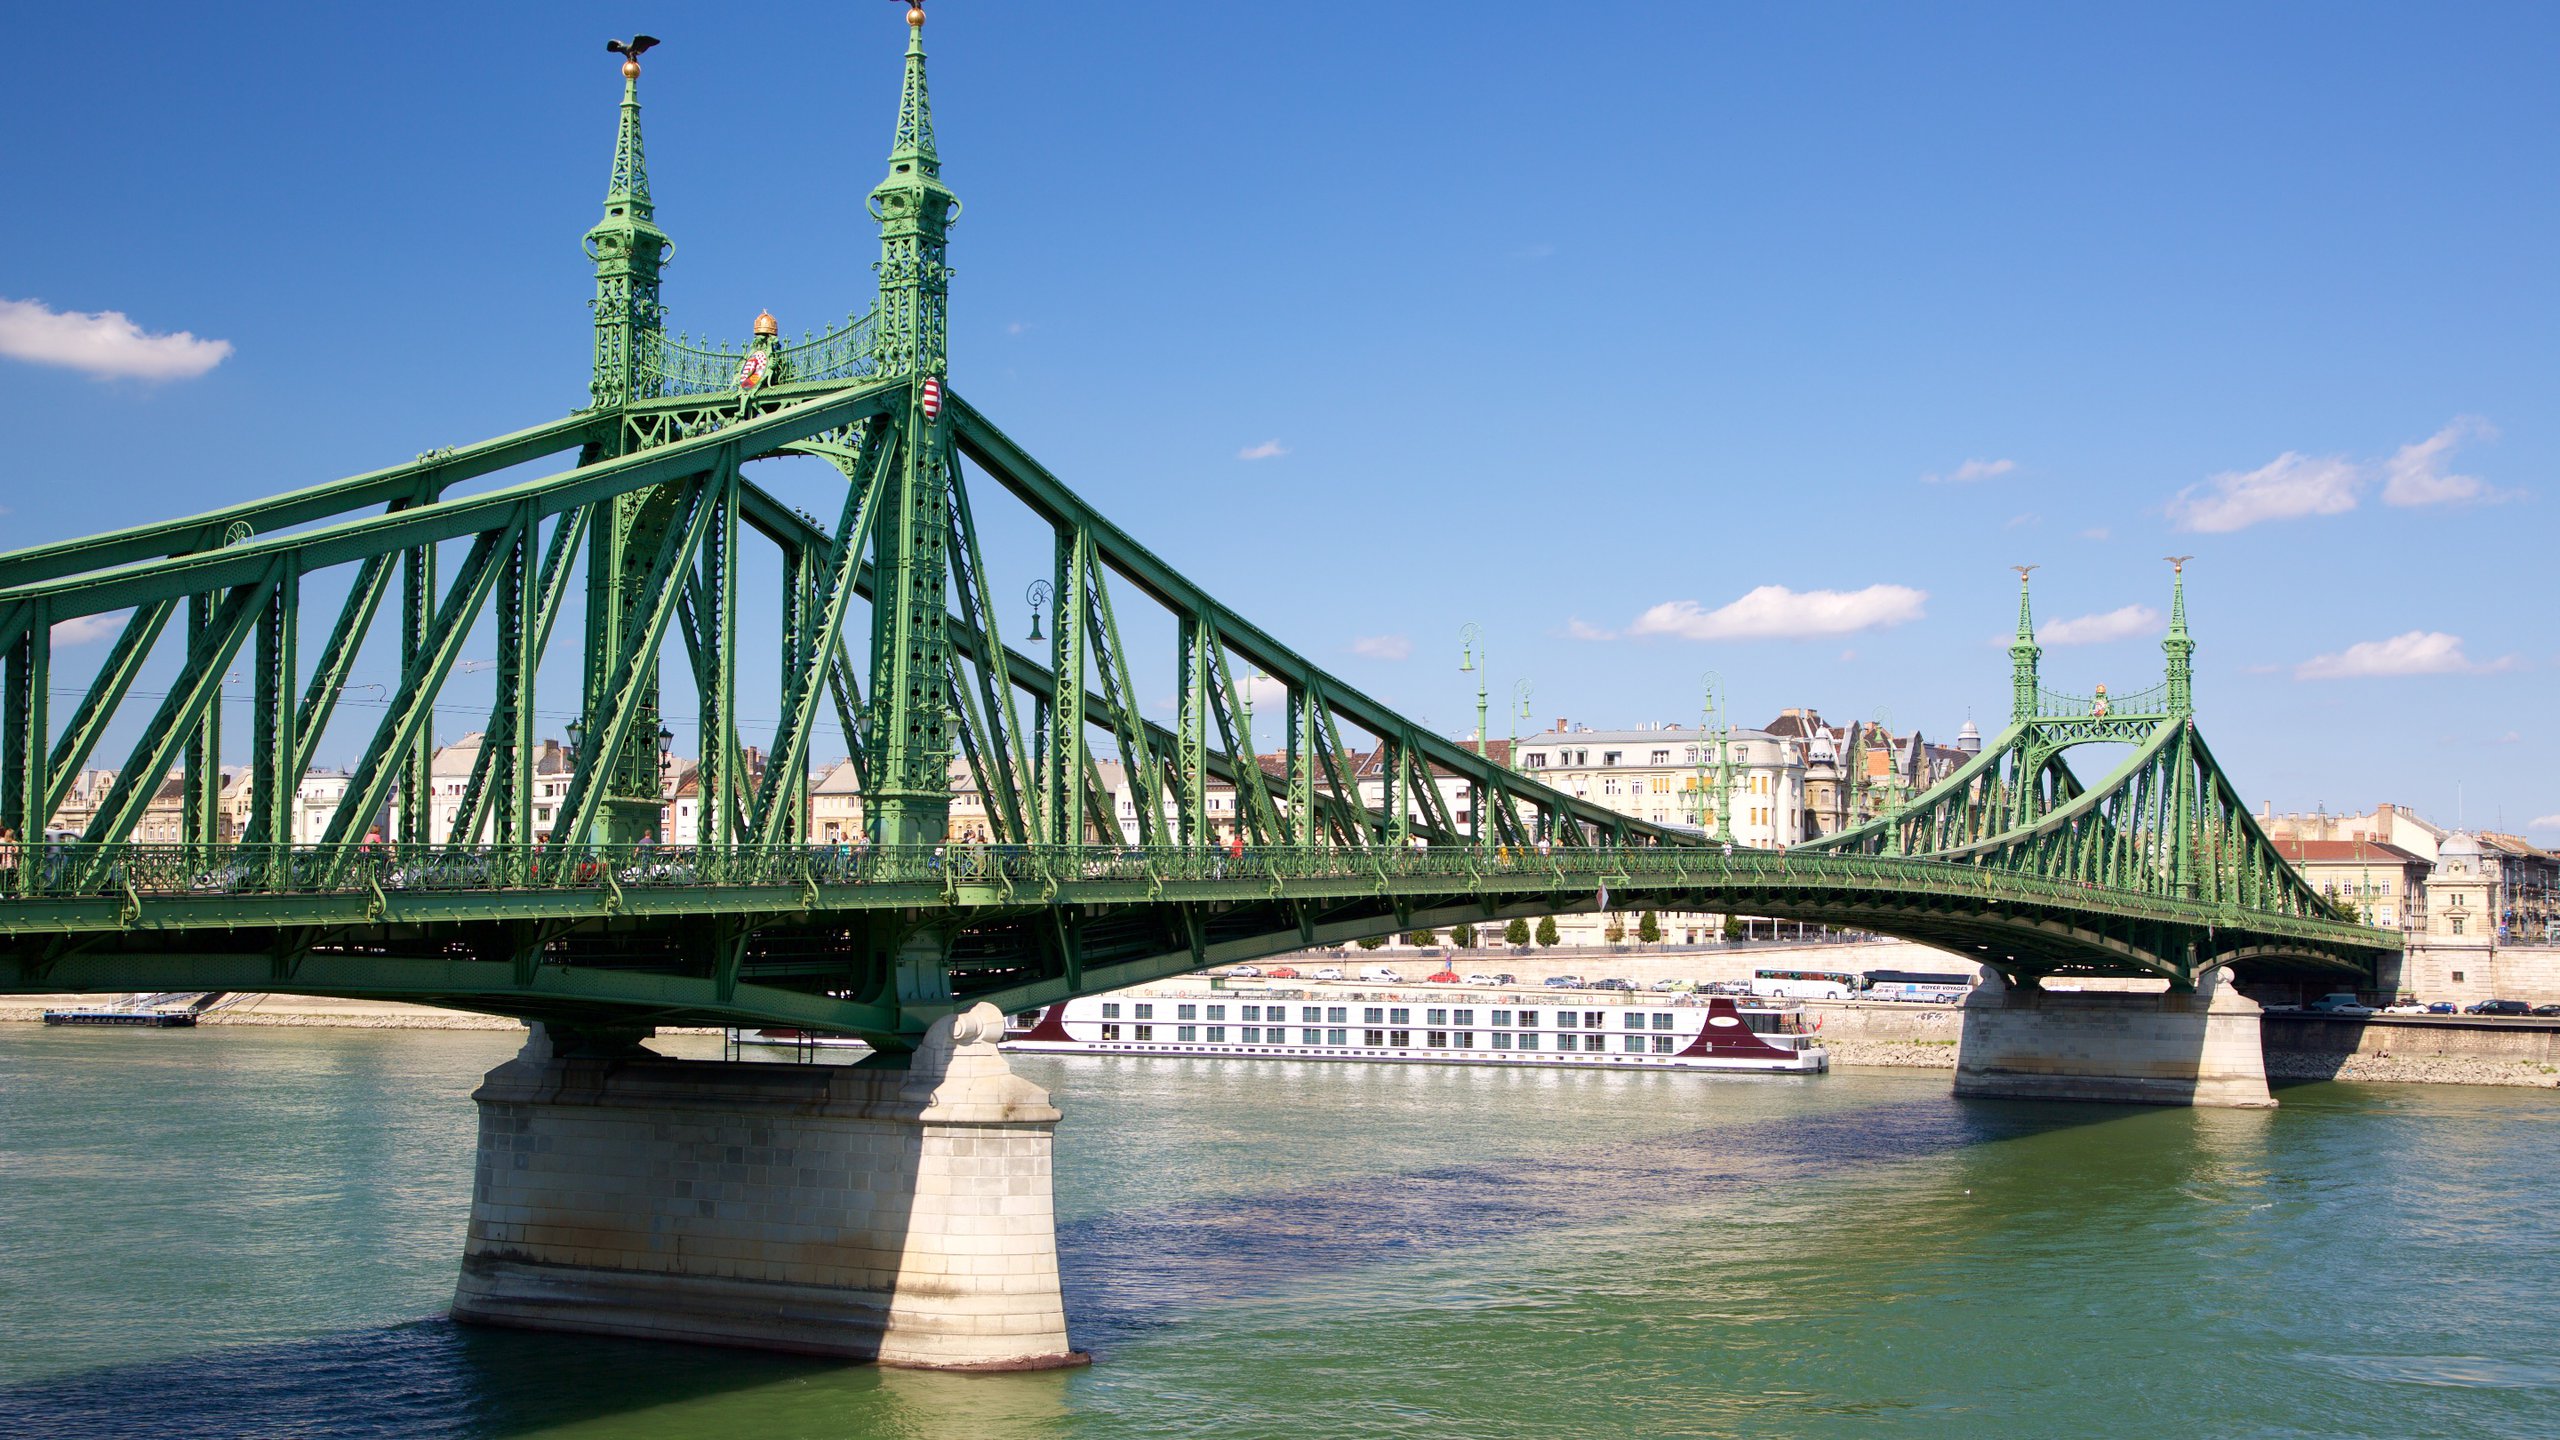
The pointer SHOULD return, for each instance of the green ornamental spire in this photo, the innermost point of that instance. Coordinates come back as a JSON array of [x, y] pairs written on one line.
[[2180, 647], [2023, 655], [628, 249], [915, 210]]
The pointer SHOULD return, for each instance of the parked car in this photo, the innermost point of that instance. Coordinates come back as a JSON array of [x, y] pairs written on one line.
[[1382, 975], [1441, 977], [2339, 1002], [1329, 972], [2404, 1009], [1480, 977], [1680, 987], [1505, 977], [2441, 1007], [2546, 1009], [2498, 1007], [1280, 972], [1612, 983], [1564, 982], [1246, 972]]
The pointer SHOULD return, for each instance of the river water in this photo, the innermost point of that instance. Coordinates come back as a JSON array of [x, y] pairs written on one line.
[[253, 1232]]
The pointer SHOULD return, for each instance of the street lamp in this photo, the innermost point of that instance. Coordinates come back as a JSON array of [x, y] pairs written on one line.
[[577, 735], [1038, 595], [1470, 649]]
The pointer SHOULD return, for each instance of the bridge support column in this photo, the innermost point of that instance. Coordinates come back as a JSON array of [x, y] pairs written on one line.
[[895, 1215], [2027, 1043]]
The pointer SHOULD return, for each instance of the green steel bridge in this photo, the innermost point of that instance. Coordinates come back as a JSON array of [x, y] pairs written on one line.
[[639, 513]]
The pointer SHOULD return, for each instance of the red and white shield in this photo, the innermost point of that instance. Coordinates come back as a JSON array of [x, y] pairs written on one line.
[[751, 371], [930, 397]]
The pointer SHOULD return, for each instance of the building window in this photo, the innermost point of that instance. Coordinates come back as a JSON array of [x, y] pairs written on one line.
[[1146, 1032], [1110, 1032], [1661, 757], [2457, 924], [1110, 1010], [2457, 977], [1610, 757]]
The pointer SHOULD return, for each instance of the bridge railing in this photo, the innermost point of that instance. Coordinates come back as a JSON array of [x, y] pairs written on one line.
[[71, 871]]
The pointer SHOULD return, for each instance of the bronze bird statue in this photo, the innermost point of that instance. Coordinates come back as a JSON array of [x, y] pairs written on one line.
[[633, 48]]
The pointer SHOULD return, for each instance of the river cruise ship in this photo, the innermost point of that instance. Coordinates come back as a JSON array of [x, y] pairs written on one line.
[[1687, 1033]]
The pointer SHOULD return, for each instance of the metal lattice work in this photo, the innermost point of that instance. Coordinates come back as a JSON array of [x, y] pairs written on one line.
[[550, 892]]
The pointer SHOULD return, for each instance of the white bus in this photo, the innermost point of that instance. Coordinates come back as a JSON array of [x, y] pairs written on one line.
[[1804, 984]]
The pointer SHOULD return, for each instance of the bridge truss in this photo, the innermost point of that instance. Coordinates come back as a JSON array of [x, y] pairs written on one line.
[[640, 521]]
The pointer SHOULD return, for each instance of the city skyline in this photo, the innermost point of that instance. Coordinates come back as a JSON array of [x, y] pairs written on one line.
[[1769, 360]]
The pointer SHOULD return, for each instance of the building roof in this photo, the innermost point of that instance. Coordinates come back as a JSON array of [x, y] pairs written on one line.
[[2339, 852]]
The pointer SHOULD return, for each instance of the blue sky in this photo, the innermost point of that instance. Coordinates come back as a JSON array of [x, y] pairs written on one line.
[[1625, 331]]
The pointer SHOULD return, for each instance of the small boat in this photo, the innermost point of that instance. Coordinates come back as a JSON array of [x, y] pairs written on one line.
[[166, 1011]]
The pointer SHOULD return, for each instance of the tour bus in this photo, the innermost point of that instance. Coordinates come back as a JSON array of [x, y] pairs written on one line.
[[1924, 987], [1805, 984]]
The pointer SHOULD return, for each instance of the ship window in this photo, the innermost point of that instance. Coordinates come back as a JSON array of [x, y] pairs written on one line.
[[1146, 1012], [1502, 1040], [1186, 1012], [1399, 1016], [1593, 1019], [1111, 1032], [1464, 1017], [1373, 1037], [1662, 1020], [1661, 1044], [1436, 1017], [1253, 1034], [1568, 1042], [1399, 1038], [1501, 1017], [1564, 1019], [1311, 1013], [1111, 1010], [1310, 1037], [1337, 1037], [1528, 1042], [1436, 1039], [1528, 1020], [1374, 1015], [1466, 1039], [1217, 1034], [1635, 1044], [1146, 1032], [1186, 1033], [1635, 1021], [1217, 1012], [1336, 1014]]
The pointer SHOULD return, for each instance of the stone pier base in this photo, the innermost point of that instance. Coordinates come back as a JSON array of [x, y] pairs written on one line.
[[901, 1216], [2139, 1049]]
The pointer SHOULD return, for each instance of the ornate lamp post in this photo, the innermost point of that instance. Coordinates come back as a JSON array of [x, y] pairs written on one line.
[[1472, 660]]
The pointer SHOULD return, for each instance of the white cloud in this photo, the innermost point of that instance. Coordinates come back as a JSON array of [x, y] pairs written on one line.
[[1580, 629], [1267, 450], [2419, 652], [84, 629], [2122, 624], [1018, 327], [1776, 612], [2097, 532], [1383, 647], [1972, 470], [2416, 474], [105, 344], [2546, 822], [2288, 487]]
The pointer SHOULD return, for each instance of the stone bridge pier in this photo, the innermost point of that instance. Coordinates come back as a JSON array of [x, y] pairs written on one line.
[[2029, 1043], [895, 1215]]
